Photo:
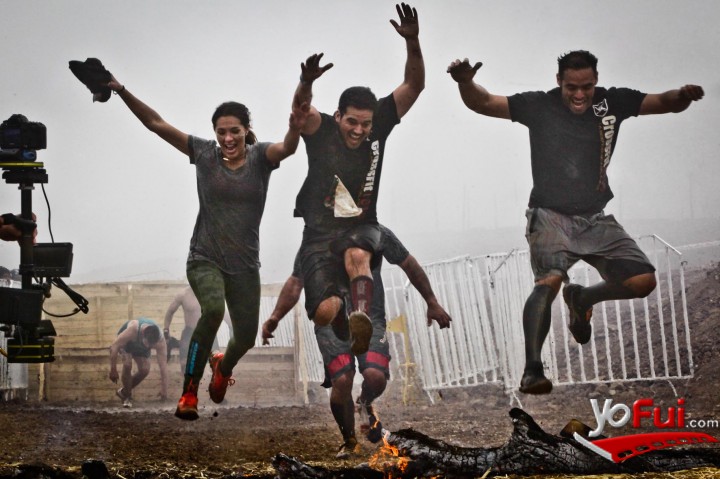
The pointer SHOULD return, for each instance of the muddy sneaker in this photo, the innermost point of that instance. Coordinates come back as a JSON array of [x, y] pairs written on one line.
[[348, 449], [218, 382], [187, 405], [360, 332], [534, 380], [579, 323], [127, 402], [370, 424]]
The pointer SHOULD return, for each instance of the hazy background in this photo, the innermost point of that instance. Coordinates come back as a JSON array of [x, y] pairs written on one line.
[[453, 182]]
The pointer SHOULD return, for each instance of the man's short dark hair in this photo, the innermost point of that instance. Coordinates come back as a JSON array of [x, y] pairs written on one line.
[[152, 333], [360, 97], [577, 60]]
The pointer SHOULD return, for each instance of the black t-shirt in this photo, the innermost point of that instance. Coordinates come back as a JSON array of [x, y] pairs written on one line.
[[570, 153], [358, 169]]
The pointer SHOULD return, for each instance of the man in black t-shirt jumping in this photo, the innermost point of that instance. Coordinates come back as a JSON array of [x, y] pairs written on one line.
[[339, 196], [573, 130]]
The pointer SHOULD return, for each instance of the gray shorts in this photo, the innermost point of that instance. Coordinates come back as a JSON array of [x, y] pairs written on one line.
[[559, 241], [338, 357]]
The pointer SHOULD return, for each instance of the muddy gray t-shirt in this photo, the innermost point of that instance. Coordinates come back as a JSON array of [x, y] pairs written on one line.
[[231, 206]]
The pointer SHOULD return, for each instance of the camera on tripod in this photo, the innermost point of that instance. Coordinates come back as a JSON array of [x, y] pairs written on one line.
[[20, 139], [29, 337]]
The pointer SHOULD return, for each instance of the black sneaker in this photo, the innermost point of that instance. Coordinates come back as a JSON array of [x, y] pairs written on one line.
[[370, 424], [348, 449], [360, 332], [579, 323], [94, 76], [534, 380]]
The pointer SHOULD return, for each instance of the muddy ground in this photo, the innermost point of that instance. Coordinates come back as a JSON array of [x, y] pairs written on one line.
[[231, 440]]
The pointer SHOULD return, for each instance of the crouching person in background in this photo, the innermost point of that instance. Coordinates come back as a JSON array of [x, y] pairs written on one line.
[[135, 341]]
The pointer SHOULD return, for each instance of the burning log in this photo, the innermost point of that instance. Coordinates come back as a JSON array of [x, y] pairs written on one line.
[[530, 450]]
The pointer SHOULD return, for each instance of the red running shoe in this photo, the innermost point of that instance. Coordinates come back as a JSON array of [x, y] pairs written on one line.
[[218, 382]]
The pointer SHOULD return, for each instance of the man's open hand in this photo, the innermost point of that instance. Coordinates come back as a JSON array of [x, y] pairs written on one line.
[[462, 72], [408, 27]]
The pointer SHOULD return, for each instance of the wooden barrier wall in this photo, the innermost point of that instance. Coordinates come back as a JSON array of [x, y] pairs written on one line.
[[265, 376]]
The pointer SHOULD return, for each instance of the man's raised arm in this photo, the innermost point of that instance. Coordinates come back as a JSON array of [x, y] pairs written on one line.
[[310, 71], [414, 80], [476, 97], [671, 101]]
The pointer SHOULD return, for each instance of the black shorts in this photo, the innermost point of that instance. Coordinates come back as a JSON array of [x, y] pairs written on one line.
[[136, 350], [322, 264]]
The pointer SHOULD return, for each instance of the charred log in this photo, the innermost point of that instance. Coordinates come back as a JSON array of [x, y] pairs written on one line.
[[530, 450]]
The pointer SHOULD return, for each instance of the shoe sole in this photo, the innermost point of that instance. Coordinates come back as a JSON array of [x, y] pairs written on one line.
[[186, 415], [360, 332], [544, 386]]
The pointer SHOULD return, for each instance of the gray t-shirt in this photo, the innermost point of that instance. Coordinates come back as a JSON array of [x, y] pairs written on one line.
[[231, 206]]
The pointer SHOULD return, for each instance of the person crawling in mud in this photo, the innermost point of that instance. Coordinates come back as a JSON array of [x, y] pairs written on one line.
[[135, 341], [573, 132]]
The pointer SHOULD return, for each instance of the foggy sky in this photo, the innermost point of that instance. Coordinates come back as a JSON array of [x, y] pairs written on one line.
[[127, 200]]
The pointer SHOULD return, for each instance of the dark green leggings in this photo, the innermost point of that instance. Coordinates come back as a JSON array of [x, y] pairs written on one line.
[[213, 289]]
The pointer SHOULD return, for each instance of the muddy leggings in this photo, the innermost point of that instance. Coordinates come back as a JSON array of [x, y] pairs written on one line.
[[213, 289]]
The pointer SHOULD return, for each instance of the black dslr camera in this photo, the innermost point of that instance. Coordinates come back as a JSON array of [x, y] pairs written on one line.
[[20, 138], [29, 337]]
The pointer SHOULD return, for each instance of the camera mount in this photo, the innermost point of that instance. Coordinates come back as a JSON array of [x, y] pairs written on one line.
[[29, 337]]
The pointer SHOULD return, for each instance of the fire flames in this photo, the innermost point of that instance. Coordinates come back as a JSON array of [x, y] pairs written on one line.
[[388, 460]]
